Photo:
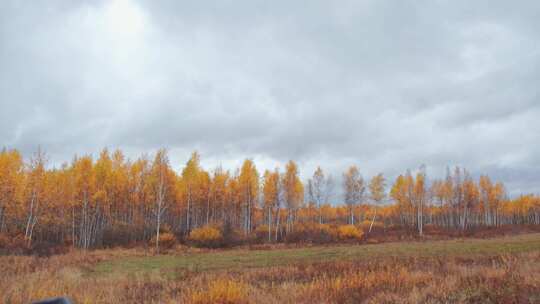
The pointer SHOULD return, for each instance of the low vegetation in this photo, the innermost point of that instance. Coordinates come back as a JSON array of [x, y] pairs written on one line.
[[206, 236], [167, 240], [494, 270], [349, 232]]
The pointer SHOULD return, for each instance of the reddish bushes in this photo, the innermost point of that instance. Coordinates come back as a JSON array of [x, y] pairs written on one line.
[[13, 244], [262, 233], [46, 249], [167, 240], [382, 279], [121, 234], [311, 233]]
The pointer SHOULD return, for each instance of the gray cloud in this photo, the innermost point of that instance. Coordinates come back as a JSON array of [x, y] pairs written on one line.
[[384, 85]]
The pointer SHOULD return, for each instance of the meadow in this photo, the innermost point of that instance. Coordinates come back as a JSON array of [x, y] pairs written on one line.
[[503, 269]]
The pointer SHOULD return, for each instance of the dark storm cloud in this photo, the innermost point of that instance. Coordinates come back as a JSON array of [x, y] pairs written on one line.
[[382, 84]]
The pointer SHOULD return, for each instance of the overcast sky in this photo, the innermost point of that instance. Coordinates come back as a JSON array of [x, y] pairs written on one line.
[[384, 85]]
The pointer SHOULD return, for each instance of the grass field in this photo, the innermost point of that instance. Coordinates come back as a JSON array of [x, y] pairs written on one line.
[[242, 259], [497, 270]]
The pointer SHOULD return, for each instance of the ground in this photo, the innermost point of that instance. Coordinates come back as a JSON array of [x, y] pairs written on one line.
[[244, 258], [495, 270]]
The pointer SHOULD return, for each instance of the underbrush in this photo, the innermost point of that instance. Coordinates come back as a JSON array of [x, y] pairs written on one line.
[[304, 234]]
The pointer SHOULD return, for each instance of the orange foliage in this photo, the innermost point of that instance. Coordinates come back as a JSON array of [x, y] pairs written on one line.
[[167, 240], [110, 201], [312, 232], [206, 236], [364, 225], [349, 232]]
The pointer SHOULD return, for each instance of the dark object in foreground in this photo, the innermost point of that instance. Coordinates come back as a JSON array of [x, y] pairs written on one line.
[[54, 301]]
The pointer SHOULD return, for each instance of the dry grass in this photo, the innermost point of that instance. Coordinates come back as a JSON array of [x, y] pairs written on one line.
[[471, 275]]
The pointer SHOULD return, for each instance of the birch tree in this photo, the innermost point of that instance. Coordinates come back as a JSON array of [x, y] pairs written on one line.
[[377, 190], [12, 175], [271, 197], [320, 189], [160, 177], [354, 188], [293, 192], [249, 190], [36, 192], [420, 198], [190, 176]]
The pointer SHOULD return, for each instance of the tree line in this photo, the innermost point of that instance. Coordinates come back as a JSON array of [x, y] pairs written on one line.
[[111, 200]]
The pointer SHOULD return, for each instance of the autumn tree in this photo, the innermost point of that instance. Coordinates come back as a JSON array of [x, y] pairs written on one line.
[[420, 197], [12, 177], [403, 193], [120, 210], [353, 188], [498, 195], [491, 195], [138, 192], [204, 194], [117, 201], [470, 200], [320, 189], [441, 191], [160, 181], [377, 190], [220, 194], [190, 178], [271, 198], [249, 190], [293, 192], [486, 189], [56, 217], [35, 192], [84, 221]]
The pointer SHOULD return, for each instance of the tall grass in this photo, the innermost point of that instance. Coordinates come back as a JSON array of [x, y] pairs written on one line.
[[439, 279]]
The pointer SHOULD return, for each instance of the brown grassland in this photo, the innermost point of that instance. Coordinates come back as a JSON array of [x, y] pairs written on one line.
[[495, 270]]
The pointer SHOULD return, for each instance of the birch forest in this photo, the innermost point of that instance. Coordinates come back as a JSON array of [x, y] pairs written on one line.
[[114, 201]]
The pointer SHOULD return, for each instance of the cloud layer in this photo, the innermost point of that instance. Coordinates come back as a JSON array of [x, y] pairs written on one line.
[[384, 85]]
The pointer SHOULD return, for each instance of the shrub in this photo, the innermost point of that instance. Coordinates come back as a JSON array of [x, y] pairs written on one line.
[[167, 240], [327, 233], [231, 236], [47, 249], [13, 244], [120, 234], [261, 233], [349, 232], [206, 236], [311, 232], [4, 240]]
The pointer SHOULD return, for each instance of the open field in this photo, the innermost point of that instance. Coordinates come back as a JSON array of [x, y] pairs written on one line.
[[241, 259], [498, 270]]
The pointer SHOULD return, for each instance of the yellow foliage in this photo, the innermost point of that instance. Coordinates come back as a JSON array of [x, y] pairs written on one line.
[[349, 232], [222, 291], [206, 236]]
